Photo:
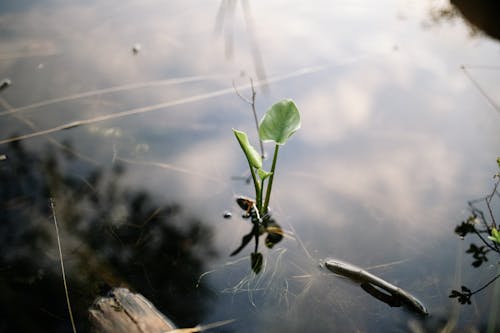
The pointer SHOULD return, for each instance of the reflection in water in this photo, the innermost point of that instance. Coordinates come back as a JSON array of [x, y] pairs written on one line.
[[111, 236], [224, 22], [480, 15], [260, 225], [466, 70], [4, 84], [483, 14]]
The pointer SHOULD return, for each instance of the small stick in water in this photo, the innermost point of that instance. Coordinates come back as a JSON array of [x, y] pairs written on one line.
[[393, 295]]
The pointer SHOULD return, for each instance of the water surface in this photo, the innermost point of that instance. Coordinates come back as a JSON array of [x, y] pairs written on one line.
[[399, 130]]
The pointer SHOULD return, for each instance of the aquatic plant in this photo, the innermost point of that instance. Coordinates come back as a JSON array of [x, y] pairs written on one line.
[[277, 125], [495, 236], [480, 223]]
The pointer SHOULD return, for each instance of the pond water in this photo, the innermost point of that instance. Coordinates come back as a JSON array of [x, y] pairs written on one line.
[[121, 112]]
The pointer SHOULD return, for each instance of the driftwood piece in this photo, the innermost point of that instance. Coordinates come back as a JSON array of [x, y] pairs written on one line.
[[122, 311]]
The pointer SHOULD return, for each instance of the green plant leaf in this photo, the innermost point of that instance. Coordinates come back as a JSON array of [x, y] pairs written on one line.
[[495, 235], [251, 154], [263, 174], [280, 122], [498, 162]]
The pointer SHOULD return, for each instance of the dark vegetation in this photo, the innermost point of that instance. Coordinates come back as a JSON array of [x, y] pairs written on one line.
[[482, 224]]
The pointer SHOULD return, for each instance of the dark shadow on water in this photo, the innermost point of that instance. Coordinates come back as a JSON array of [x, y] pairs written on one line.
[[111, 235]]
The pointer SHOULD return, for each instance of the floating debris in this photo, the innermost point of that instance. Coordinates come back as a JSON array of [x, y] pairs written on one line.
[[136, 48], [5, 83], [72, 125], [375, 286], [227, 215]]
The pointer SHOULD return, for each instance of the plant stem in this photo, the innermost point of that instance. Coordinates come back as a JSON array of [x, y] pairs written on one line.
[[252, 103], [488, 201], [486, 285], [271, 178], [258, 192], [260, 195], [485, 241]]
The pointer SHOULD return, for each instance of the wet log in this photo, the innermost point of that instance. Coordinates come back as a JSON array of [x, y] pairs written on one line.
[[123, 311]]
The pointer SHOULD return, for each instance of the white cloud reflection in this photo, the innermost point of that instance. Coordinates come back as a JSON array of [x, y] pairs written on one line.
[[338, 106], [404, 178]]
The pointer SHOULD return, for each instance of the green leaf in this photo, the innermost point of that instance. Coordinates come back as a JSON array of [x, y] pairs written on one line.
[[280, 122], [251, 154], [495, 235], [498, 162], [263, 174]]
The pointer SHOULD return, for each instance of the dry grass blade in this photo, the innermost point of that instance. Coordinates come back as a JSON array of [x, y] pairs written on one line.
[[52, 207], [201, 328], [125, 87], [53, 141], [156, 107]]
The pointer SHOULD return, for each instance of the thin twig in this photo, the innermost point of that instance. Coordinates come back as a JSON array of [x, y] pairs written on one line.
[[480, 89], [486, 285], [485, 241], [254, 111], [488, 201], [479, 213], [52, 207], [30, 124]]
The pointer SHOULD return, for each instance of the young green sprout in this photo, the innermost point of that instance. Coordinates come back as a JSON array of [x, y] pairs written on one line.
[[277, 125]]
